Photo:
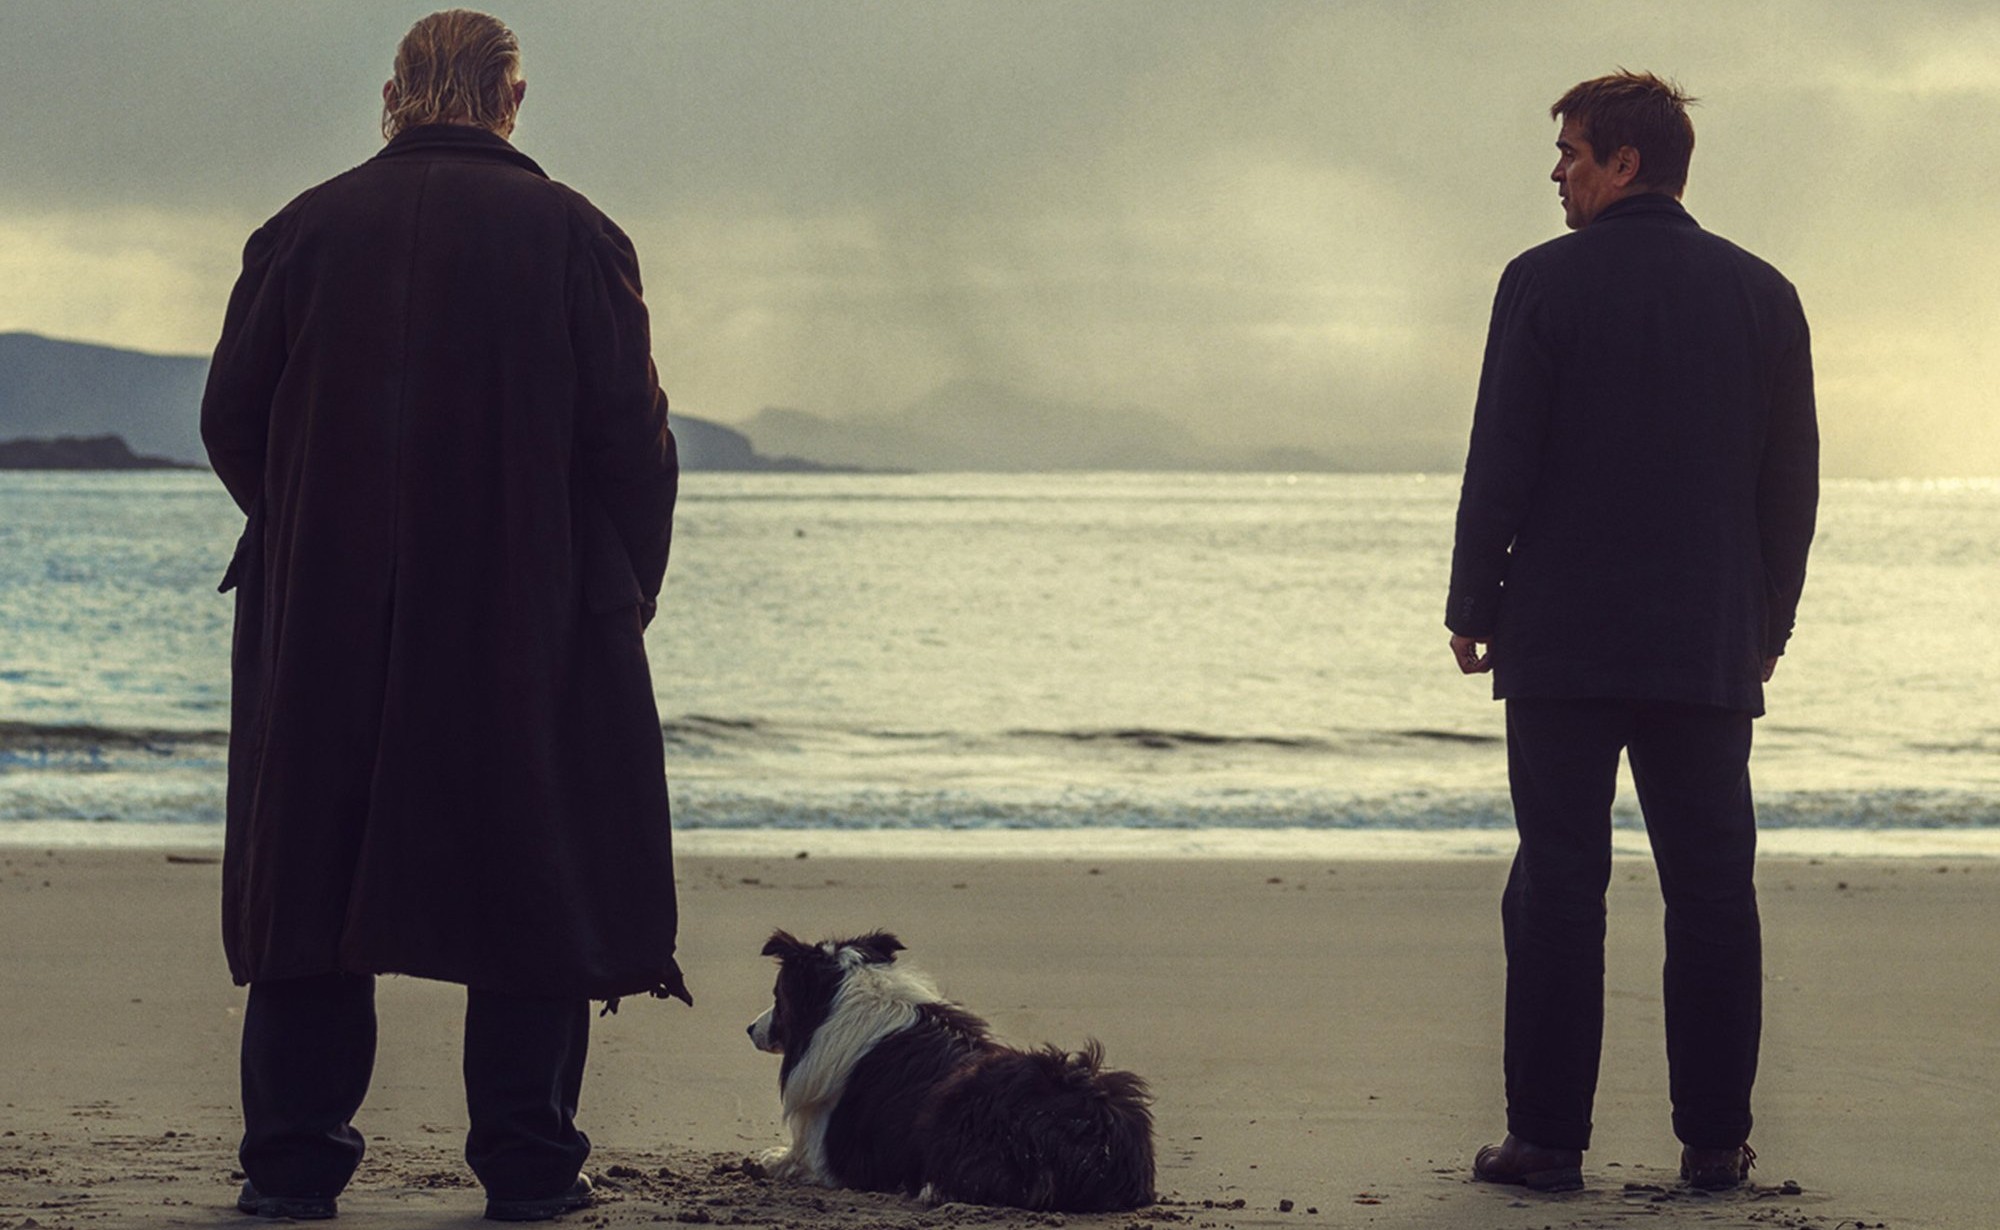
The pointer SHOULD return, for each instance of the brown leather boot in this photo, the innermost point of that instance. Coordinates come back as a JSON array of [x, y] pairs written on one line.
[[1517, 1162], [1717, 1170]]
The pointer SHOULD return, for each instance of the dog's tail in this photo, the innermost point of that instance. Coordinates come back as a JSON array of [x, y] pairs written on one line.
[[1108, 1165], [1083, 1072], [1048, 1129]]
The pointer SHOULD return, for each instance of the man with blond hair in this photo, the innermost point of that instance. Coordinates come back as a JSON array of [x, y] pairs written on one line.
[[434, 401], [1632, 533]]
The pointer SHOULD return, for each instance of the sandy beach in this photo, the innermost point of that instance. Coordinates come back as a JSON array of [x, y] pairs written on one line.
[[1322, 1036]]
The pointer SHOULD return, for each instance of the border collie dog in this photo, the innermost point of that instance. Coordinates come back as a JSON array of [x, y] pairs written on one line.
[[888, 1087]]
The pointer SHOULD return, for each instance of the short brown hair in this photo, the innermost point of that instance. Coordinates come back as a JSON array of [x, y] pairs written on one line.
[[1639, 110], [454, 67]]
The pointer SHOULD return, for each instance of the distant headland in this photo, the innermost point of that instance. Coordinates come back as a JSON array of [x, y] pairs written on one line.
[[80, 406], [82, 453], [51, 389]]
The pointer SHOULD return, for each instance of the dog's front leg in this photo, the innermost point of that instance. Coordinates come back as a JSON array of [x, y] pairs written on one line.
[[790, 1165], [780, 1163]]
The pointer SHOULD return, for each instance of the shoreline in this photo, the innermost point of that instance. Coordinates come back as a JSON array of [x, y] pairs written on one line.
[[1322, 845]]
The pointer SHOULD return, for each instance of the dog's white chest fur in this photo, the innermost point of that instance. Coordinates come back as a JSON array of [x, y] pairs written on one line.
[[874, 1001]]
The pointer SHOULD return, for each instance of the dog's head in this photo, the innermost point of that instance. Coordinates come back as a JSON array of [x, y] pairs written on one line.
[[809, 976]]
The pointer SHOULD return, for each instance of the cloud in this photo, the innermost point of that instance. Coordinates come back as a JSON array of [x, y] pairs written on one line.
[[1277, 222], [142, 278]]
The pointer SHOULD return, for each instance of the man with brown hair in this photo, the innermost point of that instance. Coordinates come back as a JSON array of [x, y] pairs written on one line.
[[1638, 502], [435, 402]]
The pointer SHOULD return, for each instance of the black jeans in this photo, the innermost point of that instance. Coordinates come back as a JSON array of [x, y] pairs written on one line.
[[1691, 764], [308, 1052]]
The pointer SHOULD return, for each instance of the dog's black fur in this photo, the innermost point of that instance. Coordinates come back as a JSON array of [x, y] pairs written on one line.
[[936, 1106]]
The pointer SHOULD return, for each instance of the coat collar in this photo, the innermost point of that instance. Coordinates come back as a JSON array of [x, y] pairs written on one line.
[[1646, 204], [459, 139]]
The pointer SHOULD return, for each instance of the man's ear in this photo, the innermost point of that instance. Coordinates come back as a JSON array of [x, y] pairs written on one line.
[[1625, 166]]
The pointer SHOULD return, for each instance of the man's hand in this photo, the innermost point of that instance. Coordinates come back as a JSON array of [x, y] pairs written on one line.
[[1471, 661], [1770, 668]]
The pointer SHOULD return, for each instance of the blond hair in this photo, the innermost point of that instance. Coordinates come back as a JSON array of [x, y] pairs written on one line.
[[454, 67]]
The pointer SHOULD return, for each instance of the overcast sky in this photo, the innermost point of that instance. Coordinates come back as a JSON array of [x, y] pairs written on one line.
[[1279, 223]]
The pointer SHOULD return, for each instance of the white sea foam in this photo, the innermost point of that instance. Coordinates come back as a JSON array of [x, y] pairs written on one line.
[[1100, 844]]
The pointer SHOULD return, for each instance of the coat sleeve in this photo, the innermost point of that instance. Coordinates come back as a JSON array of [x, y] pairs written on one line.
[[1788, 483], [1509, 422], [248, 362], [625, 450]]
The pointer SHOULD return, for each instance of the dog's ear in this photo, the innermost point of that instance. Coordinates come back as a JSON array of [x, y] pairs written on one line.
[[782, 944], [877, 947]]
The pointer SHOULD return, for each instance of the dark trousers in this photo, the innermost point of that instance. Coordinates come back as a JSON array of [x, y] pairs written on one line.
[[308, 1052], [1691, 764]]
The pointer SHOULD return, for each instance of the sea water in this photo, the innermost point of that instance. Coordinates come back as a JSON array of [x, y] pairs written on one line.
[[1201, 657]]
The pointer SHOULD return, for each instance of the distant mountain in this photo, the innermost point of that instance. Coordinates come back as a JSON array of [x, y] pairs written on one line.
[[978, 425], [81, 453], [52, 389], [711, 446]]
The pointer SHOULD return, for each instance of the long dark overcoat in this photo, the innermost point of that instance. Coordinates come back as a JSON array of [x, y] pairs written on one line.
[[1643, 476], [435, 401]]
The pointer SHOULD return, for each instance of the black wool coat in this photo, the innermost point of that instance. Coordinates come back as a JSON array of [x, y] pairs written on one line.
[[435, 401], [1643, 476]]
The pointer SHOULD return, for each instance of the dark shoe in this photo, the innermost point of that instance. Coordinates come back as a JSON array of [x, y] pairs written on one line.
[[298, 1208], [577, 1197], [1717, 1170], [1517, 1162]]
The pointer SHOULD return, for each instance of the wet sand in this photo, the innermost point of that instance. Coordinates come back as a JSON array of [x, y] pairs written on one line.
[[1322, 1036]]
